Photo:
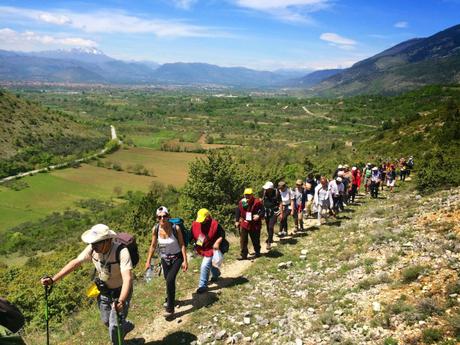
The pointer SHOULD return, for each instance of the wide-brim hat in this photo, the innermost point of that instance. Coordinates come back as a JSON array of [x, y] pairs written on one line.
[[281, 184], [97, 233]]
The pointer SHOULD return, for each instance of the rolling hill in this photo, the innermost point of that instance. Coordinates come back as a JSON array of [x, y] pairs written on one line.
[[406, 66], [32, 135]]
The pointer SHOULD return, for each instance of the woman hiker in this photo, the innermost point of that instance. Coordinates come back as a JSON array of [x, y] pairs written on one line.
[[171, 246], [271, 201]]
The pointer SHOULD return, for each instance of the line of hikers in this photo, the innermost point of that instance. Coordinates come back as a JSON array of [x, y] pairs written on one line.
[[115, 255]]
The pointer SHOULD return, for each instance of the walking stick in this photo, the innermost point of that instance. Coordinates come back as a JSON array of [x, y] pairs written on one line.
[[48, 289], [120, 340]]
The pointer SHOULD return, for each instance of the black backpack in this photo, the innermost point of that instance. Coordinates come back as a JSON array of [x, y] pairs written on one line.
[[10, 316]]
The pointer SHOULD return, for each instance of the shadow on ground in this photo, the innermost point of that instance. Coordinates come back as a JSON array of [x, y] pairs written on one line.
[[174, 339]]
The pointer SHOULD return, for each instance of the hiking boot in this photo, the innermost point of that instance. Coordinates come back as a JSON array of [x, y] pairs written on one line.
[[257, 255], [213, 279], [128, 327], [202, 289]]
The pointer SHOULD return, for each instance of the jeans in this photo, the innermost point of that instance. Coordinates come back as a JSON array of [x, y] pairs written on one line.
[[109, 317], [284, 220], [170, 270], [206, 266]]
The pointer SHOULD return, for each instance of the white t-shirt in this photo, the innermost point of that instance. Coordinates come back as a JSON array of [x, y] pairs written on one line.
[[286, 196], [168, 246], [107, 267]]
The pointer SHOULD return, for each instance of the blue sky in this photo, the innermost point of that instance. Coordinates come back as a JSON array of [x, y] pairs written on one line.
[[259, 34]]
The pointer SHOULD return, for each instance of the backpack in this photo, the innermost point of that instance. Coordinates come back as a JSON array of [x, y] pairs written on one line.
[[368, 173], [178, 222], [127, 241]]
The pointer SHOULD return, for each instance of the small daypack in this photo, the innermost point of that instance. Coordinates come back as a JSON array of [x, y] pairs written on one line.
[[127, 241], [178, 222]]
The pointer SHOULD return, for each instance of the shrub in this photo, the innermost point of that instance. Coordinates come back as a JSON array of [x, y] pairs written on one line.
[[431, 335], [411, 273], [390, 341]]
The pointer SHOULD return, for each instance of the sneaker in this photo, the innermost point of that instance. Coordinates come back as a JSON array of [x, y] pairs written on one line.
[[202, 289], [213, 279], [281, 234], [257, 255]]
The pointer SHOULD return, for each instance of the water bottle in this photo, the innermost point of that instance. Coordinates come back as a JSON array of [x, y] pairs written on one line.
[[148, 275]]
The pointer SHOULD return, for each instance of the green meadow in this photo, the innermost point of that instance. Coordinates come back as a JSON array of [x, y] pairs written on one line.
[[58, 190]]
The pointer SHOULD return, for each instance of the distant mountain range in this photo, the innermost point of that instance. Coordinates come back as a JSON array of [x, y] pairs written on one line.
[[408, 65], [93, 66]]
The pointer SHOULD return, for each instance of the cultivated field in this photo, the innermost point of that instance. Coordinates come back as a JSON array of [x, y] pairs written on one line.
[[60, 189]]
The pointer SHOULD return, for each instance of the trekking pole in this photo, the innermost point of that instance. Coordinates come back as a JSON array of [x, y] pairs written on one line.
[[48, 289], [120, 340]]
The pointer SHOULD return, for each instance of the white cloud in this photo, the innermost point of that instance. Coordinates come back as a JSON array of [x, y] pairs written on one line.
[[286, 10], [110, 21], [338, 41], [54, 19], [11, 39], [401, 25], [184, 4]]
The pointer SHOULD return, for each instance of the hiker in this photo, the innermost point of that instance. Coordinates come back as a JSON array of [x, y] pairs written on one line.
[[310, 185], [113, 265], [12, 320], [286, 207], [323, 198], [208, 236], [383, 173], [375, 180], [248, 219], [336, 188], [170, 242], [355, 180], [346, 180], [391, 178], [271, 202], [409, 165], [403, 169], [367, 172], [299, 204]]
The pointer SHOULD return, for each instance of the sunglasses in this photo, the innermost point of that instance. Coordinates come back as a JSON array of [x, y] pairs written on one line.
[[162, 217]]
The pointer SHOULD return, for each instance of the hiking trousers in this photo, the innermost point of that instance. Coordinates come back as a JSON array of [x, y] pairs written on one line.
[[170, 270], [353, 192], [270, 222], [255, 239], [284, 221], [374, 189], [109, 317]]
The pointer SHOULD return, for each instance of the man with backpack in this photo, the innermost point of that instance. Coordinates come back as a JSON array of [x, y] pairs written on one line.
[[113, 263], [271, 201], [248, 218]]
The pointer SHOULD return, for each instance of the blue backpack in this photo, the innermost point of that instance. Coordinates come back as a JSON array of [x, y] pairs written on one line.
[[178, 222]]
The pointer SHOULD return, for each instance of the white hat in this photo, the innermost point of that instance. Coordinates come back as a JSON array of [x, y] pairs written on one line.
[[338, 179], [268, 185], [340, 166], [162, 209], [97, 233], [353, 168], [375, 168]]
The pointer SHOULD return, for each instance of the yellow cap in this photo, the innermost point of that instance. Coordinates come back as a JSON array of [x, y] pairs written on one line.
[[248, 191], [202, 215], [92, 291]]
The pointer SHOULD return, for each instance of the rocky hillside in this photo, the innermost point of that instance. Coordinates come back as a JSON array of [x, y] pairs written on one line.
[[380, 274]]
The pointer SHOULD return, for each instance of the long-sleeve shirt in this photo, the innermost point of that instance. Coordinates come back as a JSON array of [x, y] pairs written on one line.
[[323, 196]]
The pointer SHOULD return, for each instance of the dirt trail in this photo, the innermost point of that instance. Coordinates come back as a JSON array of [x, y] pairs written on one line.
[[159, 327], [317, 115]]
